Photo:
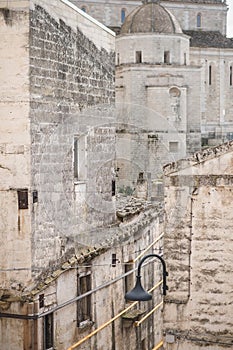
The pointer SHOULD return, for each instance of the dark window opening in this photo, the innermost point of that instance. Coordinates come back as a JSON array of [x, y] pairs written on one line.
[[140, 176], [48, 331], [113, 187], [114, 260], [35, 196], [22, 199], [185, 59], [41, 300], [118, 59], [167, 57], [210, 75], [84, 304], [230, 75], [138, 56], [76, 158], [204, 141], [84, 9]]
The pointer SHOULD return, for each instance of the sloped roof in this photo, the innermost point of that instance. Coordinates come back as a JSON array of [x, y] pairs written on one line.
[[212, 39], [198, 157]]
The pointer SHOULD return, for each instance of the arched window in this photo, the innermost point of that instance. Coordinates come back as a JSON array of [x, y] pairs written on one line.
[[84, 9], [123, 11], [198, 20]]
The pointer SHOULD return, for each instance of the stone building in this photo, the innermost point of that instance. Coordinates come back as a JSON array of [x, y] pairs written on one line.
[[159, 88], [178, 76], [192, 14], [198, 250], [68, 244], [67, 253]]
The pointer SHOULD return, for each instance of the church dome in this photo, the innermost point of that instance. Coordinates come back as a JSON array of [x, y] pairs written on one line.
[[151, 18]]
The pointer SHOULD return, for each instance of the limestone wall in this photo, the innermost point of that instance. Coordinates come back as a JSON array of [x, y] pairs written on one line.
[[156, 102], [216, 101], [15, 226], [213, 14], [55, 62], [106, 12], [56, 293], [152, 47], [198, 249], [71, 67]]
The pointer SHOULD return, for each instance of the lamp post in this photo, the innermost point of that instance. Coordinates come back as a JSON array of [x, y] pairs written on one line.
[[138, 293]]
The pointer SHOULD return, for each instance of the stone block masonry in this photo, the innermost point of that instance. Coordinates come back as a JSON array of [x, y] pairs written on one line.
[[68, 73], [66, 65], [55, 62], [198, 250]]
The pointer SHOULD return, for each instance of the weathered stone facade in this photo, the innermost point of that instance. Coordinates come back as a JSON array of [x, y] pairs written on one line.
[[56, 295], [55, 61], [60, 224], [213, 12], [198, 250], [205, 23], [178, 77], [160, 91], [60, 71]]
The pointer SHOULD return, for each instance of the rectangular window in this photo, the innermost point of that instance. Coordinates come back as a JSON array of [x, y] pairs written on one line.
[[118, 59], [185, 59], [84, 304], [41, 300], [113, 187], [138, 56], [48, 332], [199, 20], [230, 75], [210, 75], [22, 199], [167, 57], [79, 157], [123, 15], [173, 146]]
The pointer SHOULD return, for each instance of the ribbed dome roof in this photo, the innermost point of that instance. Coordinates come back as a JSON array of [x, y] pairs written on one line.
[[150, 18]]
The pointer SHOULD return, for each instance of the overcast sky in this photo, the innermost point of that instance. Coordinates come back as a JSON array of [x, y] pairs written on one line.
[[230, 19]]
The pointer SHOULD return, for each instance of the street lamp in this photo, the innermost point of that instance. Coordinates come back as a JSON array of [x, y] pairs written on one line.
[[138, 293]]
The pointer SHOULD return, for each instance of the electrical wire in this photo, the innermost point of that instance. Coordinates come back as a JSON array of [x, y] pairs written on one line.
[[137, 323], [110, 321]]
